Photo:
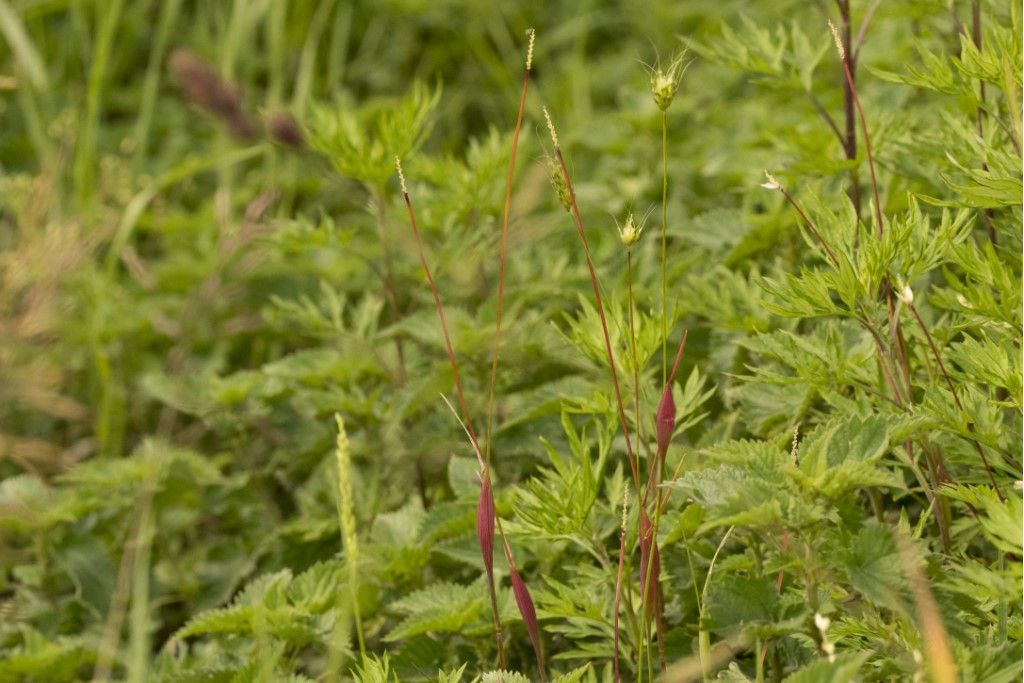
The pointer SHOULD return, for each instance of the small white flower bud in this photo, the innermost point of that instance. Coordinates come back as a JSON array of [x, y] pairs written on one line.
[[905, 294], [772, 183], [822, 622]]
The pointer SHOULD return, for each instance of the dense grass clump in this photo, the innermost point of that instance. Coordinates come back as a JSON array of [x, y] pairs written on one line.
[[618, 341]]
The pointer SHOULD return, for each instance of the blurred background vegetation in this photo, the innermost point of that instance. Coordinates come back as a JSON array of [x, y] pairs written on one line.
[[186, 298]]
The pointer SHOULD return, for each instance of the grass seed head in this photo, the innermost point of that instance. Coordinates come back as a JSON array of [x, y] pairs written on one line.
[[203, 86], [401, 176], [551, 127], [665, 81], [771, 183], [529, 49], [839, 41], [558, 182], [630, 231]]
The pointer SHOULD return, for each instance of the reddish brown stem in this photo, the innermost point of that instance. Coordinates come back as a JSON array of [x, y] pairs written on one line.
[[631, 456], [503, 254], [484, 474], [867, 145], [850, 139], [956, 397]]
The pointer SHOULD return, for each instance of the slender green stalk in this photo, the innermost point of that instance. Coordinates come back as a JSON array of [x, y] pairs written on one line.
[[704, 636], [632, 344], [169, 12], [618, 581], [664, 246], [85, 155]]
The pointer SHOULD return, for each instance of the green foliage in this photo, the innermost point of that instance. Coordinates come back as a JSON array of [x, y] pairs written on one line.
[[184, 310]]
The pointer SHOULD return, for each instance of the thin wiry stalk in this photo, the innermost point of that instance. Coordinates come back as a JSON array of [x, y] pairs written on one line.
[[774, 184], [631, 456], [486, 498], [952, 390], [390, 291], [440, 313], [704, 637], [847, 70], [986, 214], [503, 254], [525, 604], [468, 424], [664, 245], [632, 343], [653, 480], [818, 107], [618, 582]]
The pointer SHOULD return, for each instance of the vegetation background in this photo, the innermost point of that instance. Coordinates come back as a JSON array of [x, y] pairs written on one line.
[[205, 257]]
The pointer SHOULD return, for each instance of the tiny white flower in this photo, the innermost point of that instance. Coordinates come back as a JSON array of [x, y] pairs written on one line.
[[822, 622], [772, 183], [906, 295]]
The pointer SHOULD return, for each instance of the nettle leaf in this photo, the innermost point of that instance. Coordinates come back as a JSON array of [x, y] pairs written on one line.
[[987, 361], [237, 619], [439, 608], [453, 676], [87, 562], [573, 676], [842, 439], [501, 676], [844, 669], [1001, 522], [736, 601], [873, 566], [39, 659]]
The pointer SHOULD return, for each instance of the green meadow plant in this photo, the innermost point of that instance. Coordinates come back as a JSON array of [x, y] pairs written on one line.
[[291, 340]]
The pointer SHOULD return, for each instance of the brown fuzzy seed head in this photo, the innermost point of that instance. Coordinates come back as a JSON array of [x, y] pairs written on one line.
[[284, 129], [485, 525], [201, 85]]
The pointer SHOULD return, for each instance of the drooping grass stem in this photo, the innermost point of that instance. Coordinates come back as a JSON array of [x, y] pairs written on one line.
[[460, 394]]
